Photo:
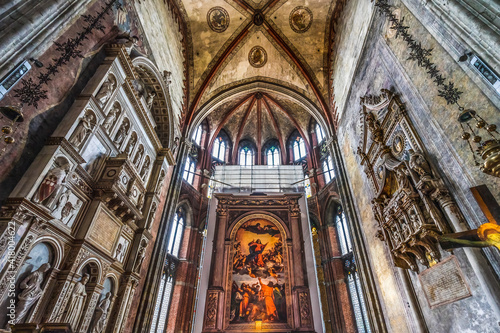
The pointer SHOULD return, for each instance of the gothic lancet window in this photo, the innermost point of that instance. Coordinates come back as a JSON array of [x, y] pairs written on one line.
[[189, 169], [219, 149], [299, 149], [197, 135], [328, 169], [246, 156], [167, 280], [319, 133], [273, 156], [353, 282]]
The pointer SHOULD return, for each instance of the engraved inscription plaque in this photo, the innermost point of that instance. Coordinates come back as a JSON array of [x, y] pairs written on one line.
[[444, 283]]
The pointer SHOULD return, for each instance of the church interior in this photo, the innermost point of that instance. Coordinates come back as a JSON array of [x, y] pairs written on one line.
[[195, 166]]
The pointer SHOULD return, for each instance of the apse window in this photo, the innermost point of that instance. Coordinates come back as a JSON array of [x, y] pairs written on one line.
[[246, 156], [273, 156], [353, 281], [189, 168], [299, 149], [197, 135], [328, 169], [167, 281], [320, 136], [219, 149]]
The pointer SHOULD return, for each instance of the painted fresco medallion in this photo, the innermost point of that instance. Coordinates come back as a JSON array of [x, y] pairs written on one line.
[[300, 19], [258, 274], [257, 57], [218, 19]]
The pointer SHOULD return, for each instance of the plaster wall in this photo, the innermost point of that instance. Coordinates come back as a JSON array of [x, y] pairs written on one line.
[[165, 40], [384, 64], [351, 32]]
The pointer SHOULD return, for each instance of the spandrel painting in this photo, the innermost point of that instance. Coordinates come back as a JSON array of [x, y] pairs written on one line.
[[258, 277]]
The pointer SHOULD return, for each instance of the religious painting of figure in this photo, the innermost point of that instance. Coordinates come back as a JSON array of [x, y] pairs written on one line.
[[258, 274]]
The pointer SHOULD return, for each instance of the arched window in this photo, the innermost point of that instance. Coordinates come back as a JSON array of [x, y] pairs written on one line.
[[219, 149], [197, 135], [246, 156], [328, 169], [167, 280], [273, 156], [299, 149], [353, 282], [189, 169], [319, 133]]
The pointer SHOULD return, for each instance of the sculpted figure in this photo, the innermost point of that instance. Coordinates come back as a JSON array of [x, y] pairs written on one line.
[[69, 210], [150, 99], [419, 164], [138, 156], [111, 117], [63, 199], [50, 185], [106, 91], [31, 288], [160, 182], [131, 145], [403, 181], [76, 303], [167, 77], [121, 134], [145, 168], [82, 130], [101, 314], [140, 258]]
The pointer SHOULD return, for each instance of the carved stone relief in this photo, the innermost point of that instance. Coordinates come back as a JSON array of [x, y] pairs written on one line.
[[409, 201]]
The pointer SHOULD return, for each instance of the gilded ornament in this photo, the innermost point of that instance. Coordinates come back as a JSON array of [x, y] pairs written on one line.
[[9, 140], [480, 123], [7, 129], [477, 139]]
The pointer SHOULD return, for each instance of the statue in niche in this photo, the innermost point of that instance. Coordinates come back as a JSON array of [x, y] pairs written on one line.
[[51, 184], [69, 210], [122, 133], [160, 183], [82, 131], [140, 202], [76, 303], [175, 148], [111, 117], [150, 99], [63, 199], [403, 181], [131, 145], [141, 254], [145, 168], [118, 252], [419, 164], [138, 156], [31, 288], [106, 91], [167, 77], [101, 314]]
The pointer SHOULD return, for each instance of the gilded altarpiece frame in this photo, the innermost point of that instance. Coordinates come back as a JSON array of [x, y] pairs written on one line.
[[281, 213]]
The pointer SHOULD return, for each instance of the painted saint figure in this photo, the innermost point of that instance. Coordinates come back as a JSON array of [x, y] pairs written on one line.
[[31, 288], [76, 303], [268, 293], [256, 249]]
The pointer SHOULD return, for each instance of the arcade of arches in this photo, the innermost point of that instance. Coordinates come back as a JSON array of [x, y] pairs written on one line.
[[249, 166]]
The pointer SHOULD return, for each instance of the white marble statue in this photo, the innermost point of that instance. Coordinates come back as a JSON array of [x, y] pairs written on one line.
[[31, 291], [131, 145], [76, 303], [121, 134], [69, 210], [61, 202], [82, 131], [111, 118], [150, 99], [167, 77], [145, 169], [101, 314], [140, 258], [106, 91]]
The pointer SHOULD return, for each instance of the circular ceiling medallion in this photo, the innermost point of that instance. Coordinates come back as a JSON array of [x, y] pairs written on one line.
[[398, 144], [218, 19], [301, 19], [257, 57]]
